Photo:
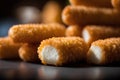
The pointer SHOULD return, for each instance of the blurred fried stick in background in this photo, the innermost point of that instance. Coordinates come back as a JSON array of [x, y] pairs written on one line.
[[52, 12], [74, 30], [9, 49], [81, 15], [91, 3], [28, 52], [116, 4]]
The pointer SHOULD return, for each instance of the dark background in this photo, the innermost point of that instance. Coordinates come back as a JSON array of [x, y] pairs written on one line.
[[7, 7], [8, 11]]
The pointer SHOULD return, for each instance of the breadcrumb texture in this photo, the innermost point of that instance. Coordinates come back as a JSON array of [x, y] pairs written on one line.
[[92, 3], [73, 30], [110, 50], [82, 15], [9, 49], [101, 32], [70, 49], [35, 33], [28, 52]]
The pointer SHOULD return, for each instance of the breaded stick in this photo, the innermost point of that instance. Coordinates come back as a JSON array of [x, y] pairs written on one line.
[[92, 3], [73, 30], [28, 53], [81, 15], [116, 4], [62, 51], [52, 12], [8, 49], [93, 33], [104, 51], [34, 33]]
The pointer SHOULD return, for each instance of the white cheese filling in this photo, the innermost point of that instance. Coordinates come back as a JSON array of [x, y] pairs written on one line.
[[95, 54], [50, 55], [86, 36]]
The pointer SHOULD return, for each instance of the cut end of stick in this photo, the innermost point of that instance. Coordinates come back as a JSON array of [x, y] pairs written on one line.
[[95, 55], [86, 36], [50, 55]]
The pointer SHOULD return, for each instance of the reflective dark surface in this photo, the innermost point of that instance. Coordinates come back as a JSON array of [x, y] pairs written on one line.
[[19, 70]]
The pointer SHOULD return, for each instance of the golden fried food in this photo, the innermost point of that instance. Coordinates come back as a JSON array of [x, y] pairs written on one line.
[[60, 51], [116, 4], [92, 3], [74, 30], [104, 52], [8, 49], [52, 13], [81, 15], [93, 32], [35, 33], [28, 52]]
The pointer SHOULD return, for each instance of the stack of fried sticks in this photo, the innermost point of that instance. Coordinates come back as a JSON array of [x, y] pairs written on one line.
[[92, 19]]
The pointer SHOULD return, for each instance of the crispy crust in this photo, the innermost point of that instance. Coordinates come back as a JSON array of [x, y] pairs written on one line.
[[101, 32], [92, 3], [73, 31], [8, 49], [81, 15], [70, 49], [35, 33], [110, 50], [28, 53]]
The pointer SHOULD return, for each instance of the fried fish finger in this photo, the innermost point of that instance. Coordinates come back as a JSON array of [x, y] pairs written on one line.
[[93, 33], [92, 3], [8, 49], [104, 52], [35, 33], [116, 4], [81, 15], [28, 52], [73, 30], [62, 51]]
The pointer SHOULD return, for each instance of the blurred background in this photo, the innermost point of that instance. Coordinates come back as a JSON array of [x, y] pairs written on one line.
[[29, 11]]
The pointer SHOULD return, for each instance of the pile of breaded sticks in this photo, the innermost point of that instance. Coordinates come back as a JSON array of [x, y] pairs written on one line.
[[91, 36], [94, 21]]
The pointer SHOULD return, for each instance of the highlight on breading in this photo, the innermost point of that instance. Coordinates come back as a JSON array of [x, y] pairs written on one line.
[[8, 49], [116, 4], [81, 15], [104, 52], [92, 3], [61, 51], [73, 30], [35, 33], [93, 32], [28, 52]]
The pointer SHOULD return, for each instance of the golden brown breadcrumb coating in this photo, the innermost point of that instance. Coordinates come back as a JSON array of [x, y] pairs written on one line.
[[81, 15], [92, 3], [8, 49], [73, 30], [35, 33], [28, 52], [110, 51], [99, 32], [70, 49], [116, 4]]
